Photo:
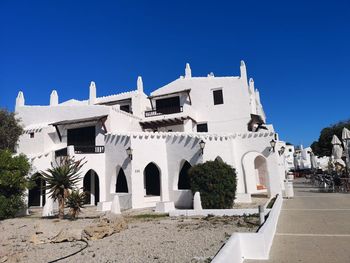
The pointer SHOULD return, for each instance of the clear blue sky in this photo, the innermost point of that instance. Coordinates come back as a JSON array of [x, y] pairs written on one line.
[[298, 52]]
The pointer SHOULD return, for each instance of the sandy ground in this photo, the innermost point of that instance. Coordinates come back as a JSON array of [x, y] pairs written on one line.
[[148, 238]]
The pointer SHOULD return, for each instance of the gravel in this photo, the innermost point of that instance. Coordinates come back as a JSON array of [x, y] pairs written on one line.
[[148, 238]]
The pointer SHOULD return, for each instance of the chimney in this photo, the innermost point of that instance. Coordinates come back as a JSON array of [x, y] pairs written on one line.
[[19, 100], [92, 95], [54, 98], [139, 85], [188, 73], [243, 70]]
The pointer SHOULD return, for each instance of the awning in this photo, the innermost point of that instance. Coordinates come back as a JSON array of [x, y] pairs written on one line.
[[100, 118], [163, 122]]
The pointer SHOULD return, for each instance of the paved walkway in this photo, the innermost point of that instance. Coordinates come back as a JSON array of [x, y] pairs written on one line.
[[313, 227]]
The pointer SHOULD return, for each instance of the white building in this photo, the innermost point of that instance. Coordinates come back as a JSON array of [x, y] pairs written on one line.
[[140, 147]]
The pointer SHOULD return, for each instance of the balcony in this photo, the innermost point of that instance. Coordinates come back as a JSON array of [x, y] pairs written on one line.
[[89, 149], [163, 111]]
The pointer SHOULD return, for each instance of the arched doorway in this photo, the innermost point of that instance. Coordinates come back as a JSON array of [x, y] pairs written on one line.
[[260, 172], [91, 184], [184, 180], [121, 185], [36, 195], [152, 180]]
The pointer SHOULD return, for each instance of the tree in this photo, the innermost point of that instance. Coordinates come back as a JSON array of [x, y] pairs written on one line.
[[62, 177], [216, 182], [13, 183], [323, 147], [10, 130]]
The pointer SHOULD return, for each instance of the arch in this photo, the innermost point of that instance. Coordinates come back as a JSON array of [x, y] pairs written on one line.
[[36, 195], [219, 159], [91, 185], [151, 175], [260, 172], [184, 180], [121, 185], [255, 172]]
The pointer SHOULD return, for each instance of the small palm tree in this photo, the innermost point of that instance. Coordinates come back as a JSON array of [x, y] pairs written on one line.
[[75, 201], [62, 177]]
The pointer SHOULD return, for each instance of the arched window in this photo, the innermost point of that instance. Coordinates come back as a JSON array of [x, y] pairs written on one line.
[[121, 186], [184, 180], [152, 179]]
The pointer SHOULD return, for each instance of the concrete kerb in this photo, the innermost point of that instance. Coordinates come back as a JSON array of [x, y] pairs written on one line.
[[242, 246]]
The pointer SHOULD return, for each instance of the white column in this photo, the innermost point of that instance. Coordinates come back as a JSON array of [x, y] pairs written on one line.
[[92, 188]]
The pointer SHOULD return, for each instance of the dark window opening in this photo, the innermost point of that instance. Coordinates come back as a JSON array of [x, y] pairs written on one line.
[[168, 105], [203, 127], [125, 108], [31, 135], [81, 136], [184, 181], [218, 97], [121, 185]]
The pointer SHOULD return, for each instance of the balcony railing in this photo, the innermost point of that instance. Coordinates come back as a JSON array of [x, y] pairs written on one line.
[[88, 149], [163, 111]]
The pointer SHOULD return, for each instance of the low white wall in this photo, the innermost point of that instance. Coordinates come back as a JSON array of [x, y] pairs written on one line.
[[242, 246], [124, 201], [182, 198], [214, 212]]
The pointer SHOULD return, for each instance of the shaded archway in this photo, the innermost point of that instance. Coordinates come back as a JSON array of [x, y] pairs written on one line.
[[260, 172], [121, 185], [36, 195], [184, 180], [152, 180], [256, 172], [91, 184]]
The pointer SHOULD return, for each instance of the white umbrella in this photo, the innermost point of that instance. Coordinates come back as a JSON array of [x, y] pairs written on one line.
[[337, 151]]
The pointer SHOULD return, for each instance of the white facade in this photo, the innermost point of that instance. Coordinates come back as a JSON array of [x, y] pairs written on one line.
[[163, 132]]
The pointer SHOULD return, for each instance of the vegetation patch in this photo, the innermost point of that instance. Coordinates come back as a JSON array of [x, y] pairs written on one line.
[[216, 181]]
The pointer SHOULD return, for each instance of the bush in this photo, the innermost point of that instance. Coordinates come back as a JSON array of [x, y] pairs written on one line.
[[75, 202], [216, 182], [13, 183]]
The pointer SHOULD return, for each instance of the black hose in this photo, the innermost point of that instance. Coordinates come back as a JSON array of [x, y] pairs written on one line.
[[86, 245]]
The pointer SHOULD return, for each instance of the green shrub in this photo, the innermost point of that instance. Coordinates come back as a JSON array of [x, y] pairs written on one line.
[[75, 202], [216, 182], [13, 183]]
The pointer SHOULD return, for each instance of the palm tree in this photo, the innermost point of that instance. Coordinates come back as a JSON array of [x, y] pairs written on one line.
[[62, 177]]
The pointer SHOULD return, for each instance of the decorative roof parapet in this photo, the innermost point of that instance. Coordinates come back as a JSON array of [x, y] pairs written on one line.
[[118, 110]]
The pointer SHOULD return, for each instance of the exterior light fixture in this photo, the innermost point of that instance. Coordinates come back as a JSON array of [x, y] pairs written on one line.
[[273, 144], [129, 152], [202, 145], [281, 151]]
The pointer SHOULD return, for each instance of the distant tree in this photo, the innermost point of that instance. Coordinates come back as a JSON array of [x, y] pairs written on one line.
[[216, 182], [13, 183], [323, 147], [61, 178], [10, 130]]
